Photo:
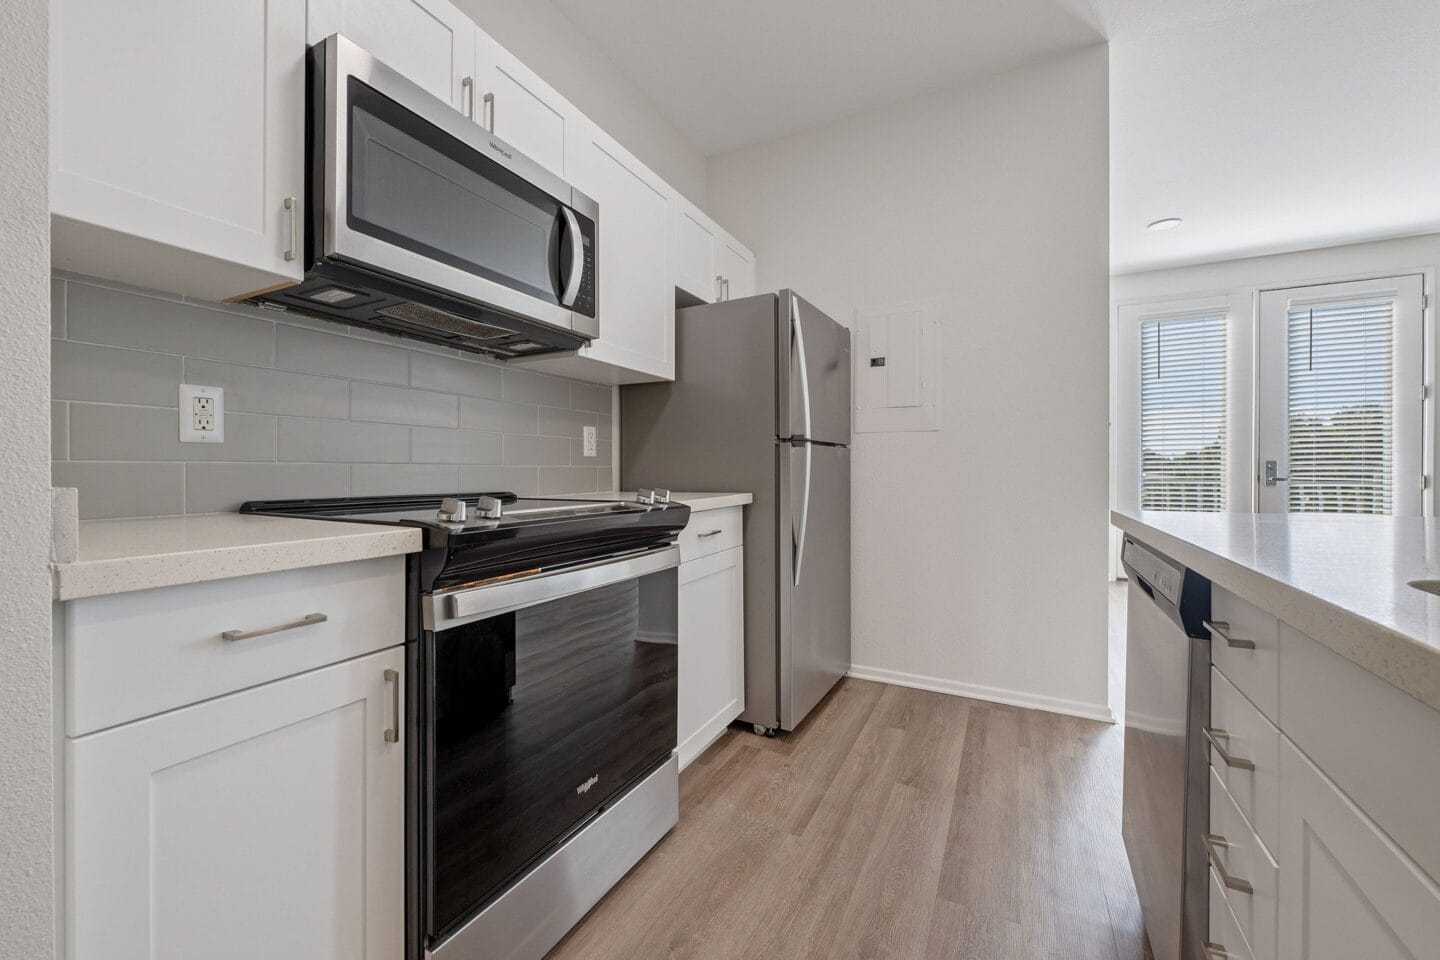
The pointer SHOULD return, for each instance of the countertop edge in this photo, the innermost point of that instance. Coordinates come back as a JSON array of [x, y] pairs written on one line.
[[98, 578], [1400, 660]]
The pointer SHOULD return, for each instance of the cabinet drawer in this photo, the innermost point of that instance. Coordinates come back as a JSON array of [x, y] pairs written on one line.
[[1379, 744], [1226, 942], [1236, 852], [1250, 657], [132, 655], [711, 532], [1247, 738]]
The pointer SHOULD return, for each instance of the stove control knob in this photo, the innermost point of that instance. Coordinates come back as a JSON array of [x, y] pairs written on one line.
[[452, 510], [490, 508]]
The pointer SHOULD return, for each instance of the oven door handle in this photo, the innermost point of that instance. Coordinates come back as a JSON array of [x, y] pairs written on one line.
[[445, 610]]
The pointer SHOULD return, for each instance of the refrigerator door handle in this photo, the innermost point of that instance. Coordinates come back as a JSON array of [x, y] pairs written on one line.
[[799, 533], [799, 340]]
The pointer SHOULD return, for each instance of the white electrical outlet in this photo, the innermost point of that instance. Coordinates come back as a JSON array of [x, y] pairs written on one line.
[[202, 414], [589, 441]]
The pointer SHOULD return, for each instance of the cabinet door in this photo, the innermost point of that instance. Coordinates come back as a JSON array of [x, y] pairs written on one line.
[[712, 649], [429, 41], [696, 242], [266, 823], [736, 266], [637, 288], [176, 136], [1346, 890], [520, 108]]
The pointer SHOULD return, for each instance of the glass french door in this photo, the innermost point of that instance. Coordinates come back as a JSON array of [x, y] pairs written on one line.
[[1339, 398]]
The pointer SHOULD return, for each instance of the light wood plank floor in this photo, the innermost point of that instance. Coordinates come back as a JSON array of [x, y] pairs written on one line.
[[896, 823]]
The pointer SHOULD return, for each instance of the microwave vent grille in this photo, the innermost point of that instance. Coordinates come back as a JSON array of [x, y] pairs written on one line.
[[420, 315]]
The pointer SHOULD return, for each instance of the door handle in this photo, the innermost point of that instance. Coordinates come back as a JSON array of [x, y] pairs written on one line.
[[577, 258], [392, 680], [291, 203], [467, 96], [804, 514], [1272, 471]]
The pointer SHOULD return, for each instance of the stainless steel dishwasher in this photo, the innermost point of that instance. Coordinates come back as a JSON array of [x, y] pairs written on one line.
[[1167, 702]]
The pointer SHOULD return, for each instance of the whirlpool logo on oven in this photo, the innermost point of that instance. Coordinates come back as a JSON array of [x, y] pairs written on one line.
[[585, 787]]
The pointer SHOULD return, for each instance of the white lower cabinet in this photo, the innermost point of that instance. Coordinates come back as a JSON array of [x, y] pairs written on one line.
[[712, 645], [263, 823], [1347, 892]]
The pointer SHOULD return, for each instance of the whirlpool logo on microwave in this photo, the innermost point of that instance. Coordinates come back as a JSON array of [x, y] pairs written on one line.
[[585, 787], [501, 150]]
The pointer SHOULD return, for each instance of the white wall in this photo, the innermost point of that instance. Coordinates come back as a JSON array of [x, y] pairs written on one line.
[[26, 768], [545, 39], [979, 550]]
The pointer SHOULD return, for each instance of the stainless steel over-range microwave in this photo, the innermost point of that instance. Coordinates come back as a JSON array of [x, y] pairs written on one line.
[[421, 223]]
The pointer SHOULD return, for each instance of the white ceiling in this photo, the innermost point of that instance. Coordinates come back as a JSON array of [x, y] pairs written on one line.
[[1270, 125], [729, 73]]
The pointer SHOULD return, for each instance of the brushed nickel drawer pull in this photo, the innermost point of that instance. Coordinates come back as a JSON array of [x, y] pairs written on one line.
[[1214, 843], [392, 679], [1222, 629], [292, 206], [1215, 737], [710, 533], [305, 621], [1217, 951]]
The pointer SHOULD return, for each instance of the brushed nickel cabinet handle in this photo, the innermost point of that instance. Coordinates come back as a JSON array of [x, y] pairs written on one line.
[[1215, 737], [490, 104], [1217, 951], [305, 621], [1222, 630], [1214, 843], [291, 205], [710, 533], [392, 679], [467, 96]]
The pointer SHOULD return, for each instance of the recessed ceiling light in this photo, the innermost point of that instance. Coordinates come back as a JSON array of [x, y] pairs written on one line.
[[1169, 223]]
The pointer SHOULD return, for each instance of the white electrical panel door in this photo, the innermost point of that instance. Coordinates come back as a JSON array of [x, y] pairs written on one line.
[[897, 368]]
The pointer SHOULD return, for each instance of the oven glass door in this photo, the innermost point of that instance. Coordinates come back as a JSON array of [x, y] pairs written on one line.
[[415, 187], [539, 716]]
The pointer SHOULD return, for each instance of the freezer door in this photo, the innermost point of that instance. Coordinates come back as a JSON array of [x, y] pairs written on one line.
[[814, 368], [814, 575]]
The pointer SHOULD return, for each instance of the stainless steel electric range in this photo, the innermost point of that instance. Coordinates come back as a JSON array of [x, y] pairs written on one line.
[[541, 692]]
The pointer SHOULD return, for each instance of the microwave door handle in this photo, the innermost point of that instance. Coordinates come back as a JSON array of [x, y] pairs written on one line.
[[577, 258]]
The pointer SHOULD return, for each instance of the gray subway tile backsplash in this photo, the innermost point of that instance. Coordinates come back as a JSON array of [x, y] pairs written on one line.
[[312, 410], [84, 371], [311, 351], [96, 314]]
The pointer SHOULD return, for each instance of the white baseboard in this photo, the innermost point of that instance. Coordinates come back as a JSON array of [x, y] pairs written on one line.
[[1014, 698], [702, 739]]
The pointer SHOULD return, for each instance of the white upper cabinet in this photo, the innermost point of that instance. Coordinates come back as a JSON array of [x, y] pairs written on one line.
[[735, 267], [696, 242], [709, 263], [636, 285], [176, 141], [429, 41], [518, 107]]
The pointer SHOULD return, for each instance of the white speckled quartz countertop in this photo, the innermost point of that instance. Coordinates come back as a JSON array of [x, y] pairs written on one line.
[[1341, 580], [695, 501], [116, 556]]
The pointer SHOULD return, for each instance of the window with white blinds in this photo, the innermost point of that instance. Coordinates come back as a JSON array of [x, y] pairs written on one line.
[[1341, 407], [1183, 400]]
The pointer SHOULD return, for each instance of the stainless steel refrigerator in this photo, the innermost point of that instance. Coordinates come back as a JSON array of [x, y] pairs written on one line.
[[761, 403]]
